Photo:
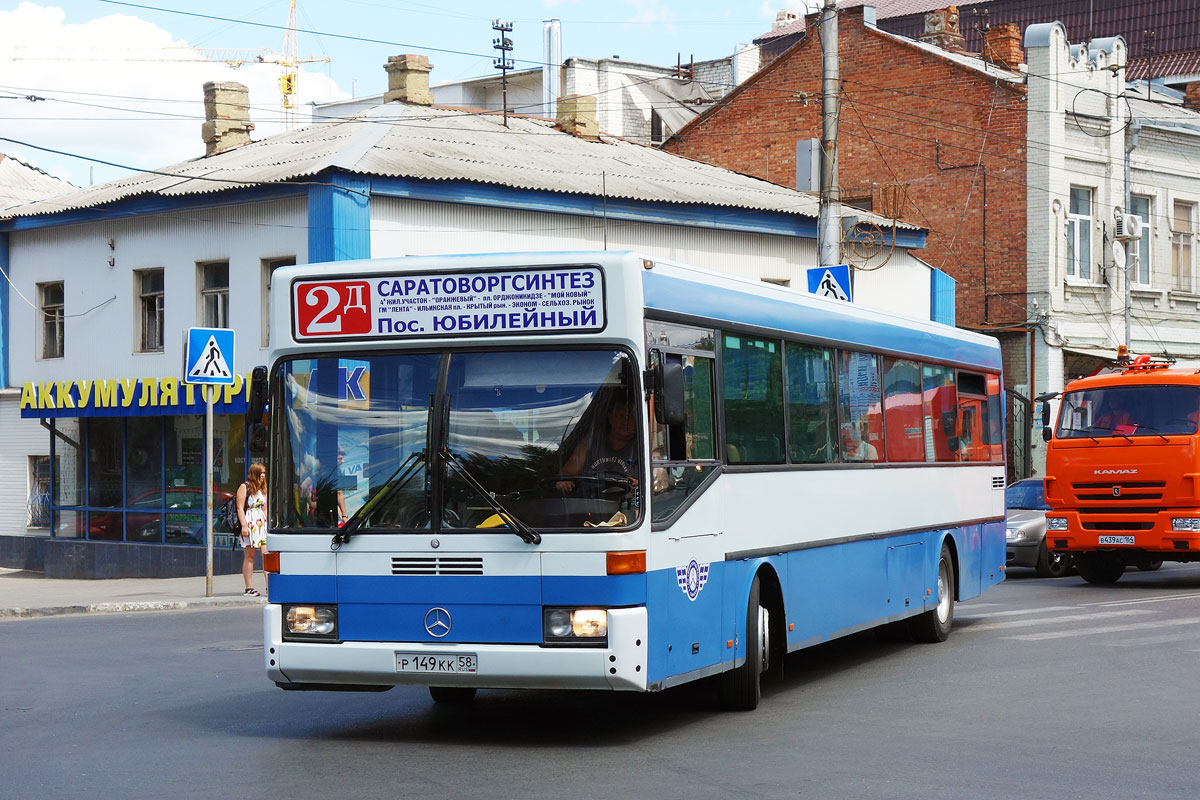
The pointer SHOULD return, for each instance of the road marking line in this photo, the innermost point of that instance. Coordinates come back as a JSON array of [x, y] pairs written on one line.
[[1016, 613], [1145, 640], [1037, 637], [1023, 623], [1156, 599]]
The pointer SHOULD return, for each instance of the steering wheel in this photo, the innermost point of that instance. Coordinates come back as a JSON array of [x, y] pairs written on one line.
[[610, 486]]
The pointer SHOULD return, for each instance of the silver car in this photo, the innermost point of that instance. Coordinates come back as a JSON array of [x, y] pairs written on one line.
[[1026, 534]]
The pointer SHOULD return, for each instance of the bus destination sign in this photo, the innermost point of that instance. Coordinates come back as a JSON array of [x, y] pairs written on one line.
[[553, 300]]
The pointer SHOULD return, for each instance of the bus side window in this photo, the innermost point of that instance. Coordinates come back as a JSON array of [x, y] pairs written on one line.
[[672, 447]]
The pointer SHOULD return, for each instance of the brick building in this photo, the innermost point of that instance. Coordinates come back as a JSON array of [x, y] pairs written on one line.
[[928, 133]]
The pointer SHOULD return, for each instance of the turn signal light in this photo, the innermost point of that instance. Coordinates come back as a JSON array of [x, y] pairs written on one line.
[[626, 562], [271, 562]]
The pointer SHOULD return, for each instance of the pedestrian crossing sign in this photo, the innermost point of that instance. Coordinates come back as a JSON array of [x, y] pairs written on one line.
[[833, 282], [208, 358]]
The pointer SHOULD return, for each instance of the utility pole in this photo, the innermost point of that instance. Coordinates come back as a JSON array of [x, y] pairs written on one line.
[[829, 223], [504, 63]]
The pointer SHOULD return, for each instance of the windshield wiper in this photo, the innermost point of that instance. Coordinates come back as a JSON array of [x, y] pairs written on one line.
[[527, 534], [358, 517]]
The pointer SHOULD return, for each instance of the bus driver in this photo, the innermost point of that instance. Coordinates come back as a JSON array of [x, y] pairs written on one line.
[[610, 453]]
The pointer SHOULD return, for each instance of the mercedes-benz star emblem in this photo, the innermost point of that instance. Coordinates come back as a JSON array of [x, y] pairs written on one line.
[[437, 622]]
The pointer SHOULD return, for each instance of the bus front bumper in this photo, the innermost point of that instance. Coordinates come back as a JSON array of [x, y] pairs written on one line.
[[621, 665]]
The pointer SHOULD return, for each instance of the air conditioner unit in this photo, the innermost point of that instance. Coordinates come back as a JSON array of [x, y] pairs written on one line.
[[1128, 227]]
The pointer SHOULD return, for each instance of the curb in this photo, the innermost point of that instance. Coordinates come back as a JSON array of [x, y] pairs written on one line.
[[18, 612]]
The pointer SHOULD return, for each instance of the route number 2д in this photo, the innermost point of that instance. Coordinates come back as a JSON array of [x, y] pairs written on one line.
[[333, 308]]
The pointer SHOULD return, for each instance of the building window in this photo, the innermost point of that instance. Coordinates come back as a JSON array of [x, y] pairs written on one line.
[[51, 297], [269, 265], [150, 309], [1138, 255], [214, 294], [1181, 246], [1079, 234]]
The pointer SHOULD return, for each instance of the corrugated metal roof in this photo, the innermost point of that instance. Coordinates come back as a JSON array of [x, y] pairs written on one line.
[[21, 183], [441, 144]]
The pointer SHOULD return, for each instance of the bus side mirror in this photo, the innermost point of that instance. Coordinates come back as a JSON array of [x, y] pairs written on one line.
[[1047, 434], [256, 404], [670, 408]]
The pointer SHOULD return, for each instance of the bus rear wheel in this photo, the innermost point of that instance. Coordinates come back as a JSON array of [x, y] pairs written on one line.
[[934, 625], [741, 688], [1100, 568], [452, 694]]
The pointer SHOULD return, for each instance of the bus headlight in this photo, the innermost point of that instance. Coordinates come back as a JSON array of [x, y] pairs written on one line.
[[575, 625], [310, 622], [1056, 523], [1185, 524]]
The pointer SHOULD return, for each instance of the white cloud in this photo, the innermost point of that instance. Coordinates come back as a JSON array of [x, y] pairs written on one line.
[[121, 89], [651, 11]]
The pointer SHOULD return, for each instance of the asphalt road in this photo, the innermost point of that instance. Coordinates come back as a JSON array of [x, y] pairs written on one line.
[[1046, 689]]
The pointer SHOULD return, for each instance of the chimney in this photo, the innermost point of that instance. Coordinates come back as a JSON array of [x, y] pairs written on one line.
[[576, 115], [408, 80], [1002, 46], [783, 19], [1191, 96], [226, 117], [941, 29]]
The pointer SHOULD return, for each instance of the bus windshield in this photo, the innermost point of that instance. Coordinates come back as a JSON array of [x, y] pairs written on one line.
[[1126, 411], [548, 436]]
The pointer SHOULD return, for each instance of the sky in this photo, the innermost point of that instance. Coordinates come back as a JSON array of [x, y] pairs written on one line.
[[121, 82]]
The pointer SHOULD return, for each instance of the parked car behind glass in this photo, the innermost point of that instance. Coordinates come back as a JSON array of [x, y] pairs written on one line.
[[1026, 535]]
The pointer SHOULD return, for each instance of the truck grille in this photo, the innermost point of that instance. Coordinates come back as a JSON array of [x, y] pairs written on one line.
[[1100, 501], [437, 565]]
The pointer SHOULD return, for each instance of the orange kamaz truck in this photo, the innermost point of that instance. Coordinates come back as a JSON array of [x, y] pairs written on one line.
[[1123, 469]]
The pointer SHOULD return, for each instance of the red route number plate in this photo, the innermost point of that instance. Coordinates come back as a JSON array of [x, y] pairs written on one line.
[[332, 308]]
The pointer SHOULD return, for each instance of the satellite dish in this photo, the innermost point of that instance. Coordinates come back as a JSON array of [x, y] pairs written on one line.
[[1118, 251]]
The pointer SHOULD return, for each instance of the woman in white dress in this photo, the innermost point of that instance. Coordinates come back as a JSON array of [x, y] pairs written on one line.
[[252, 511]]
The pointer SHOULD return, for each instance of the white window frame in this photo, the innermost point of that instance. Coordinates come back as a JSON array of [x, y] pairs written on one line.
[[214, 299], [269, 265], [52, 317], [1140, 273], [152, 303], [1079, 232], [1183, 246]]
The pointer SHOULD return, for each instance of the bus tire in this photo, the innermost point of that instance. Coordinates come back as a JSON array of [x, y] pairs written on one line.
[[934, 625], [455, 695], [741, 688], [1100, 568]]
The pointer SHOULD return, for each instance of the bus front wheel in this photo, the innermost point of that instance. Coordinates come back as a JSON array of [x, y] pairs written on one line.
[[934, 625], [741, 688], [452, 694]]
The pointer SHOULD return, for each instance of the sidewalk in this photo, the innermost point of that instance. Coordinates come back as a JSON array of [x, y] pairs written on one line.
[[31, 594]]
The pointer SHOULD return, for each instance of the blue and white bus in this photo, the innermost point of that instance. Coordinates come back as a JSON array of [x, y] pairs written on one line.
[[598, 470]]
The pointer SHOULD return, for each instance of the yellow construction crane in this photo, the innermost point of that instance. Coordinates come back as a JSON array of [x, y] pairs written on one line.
[[230, 57]]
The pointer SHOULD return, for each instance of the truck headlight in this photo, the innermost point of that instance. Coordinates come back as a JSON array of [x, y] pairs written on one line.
[[302, 623], [1185, 523], [575, 626], [1056, 523]]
